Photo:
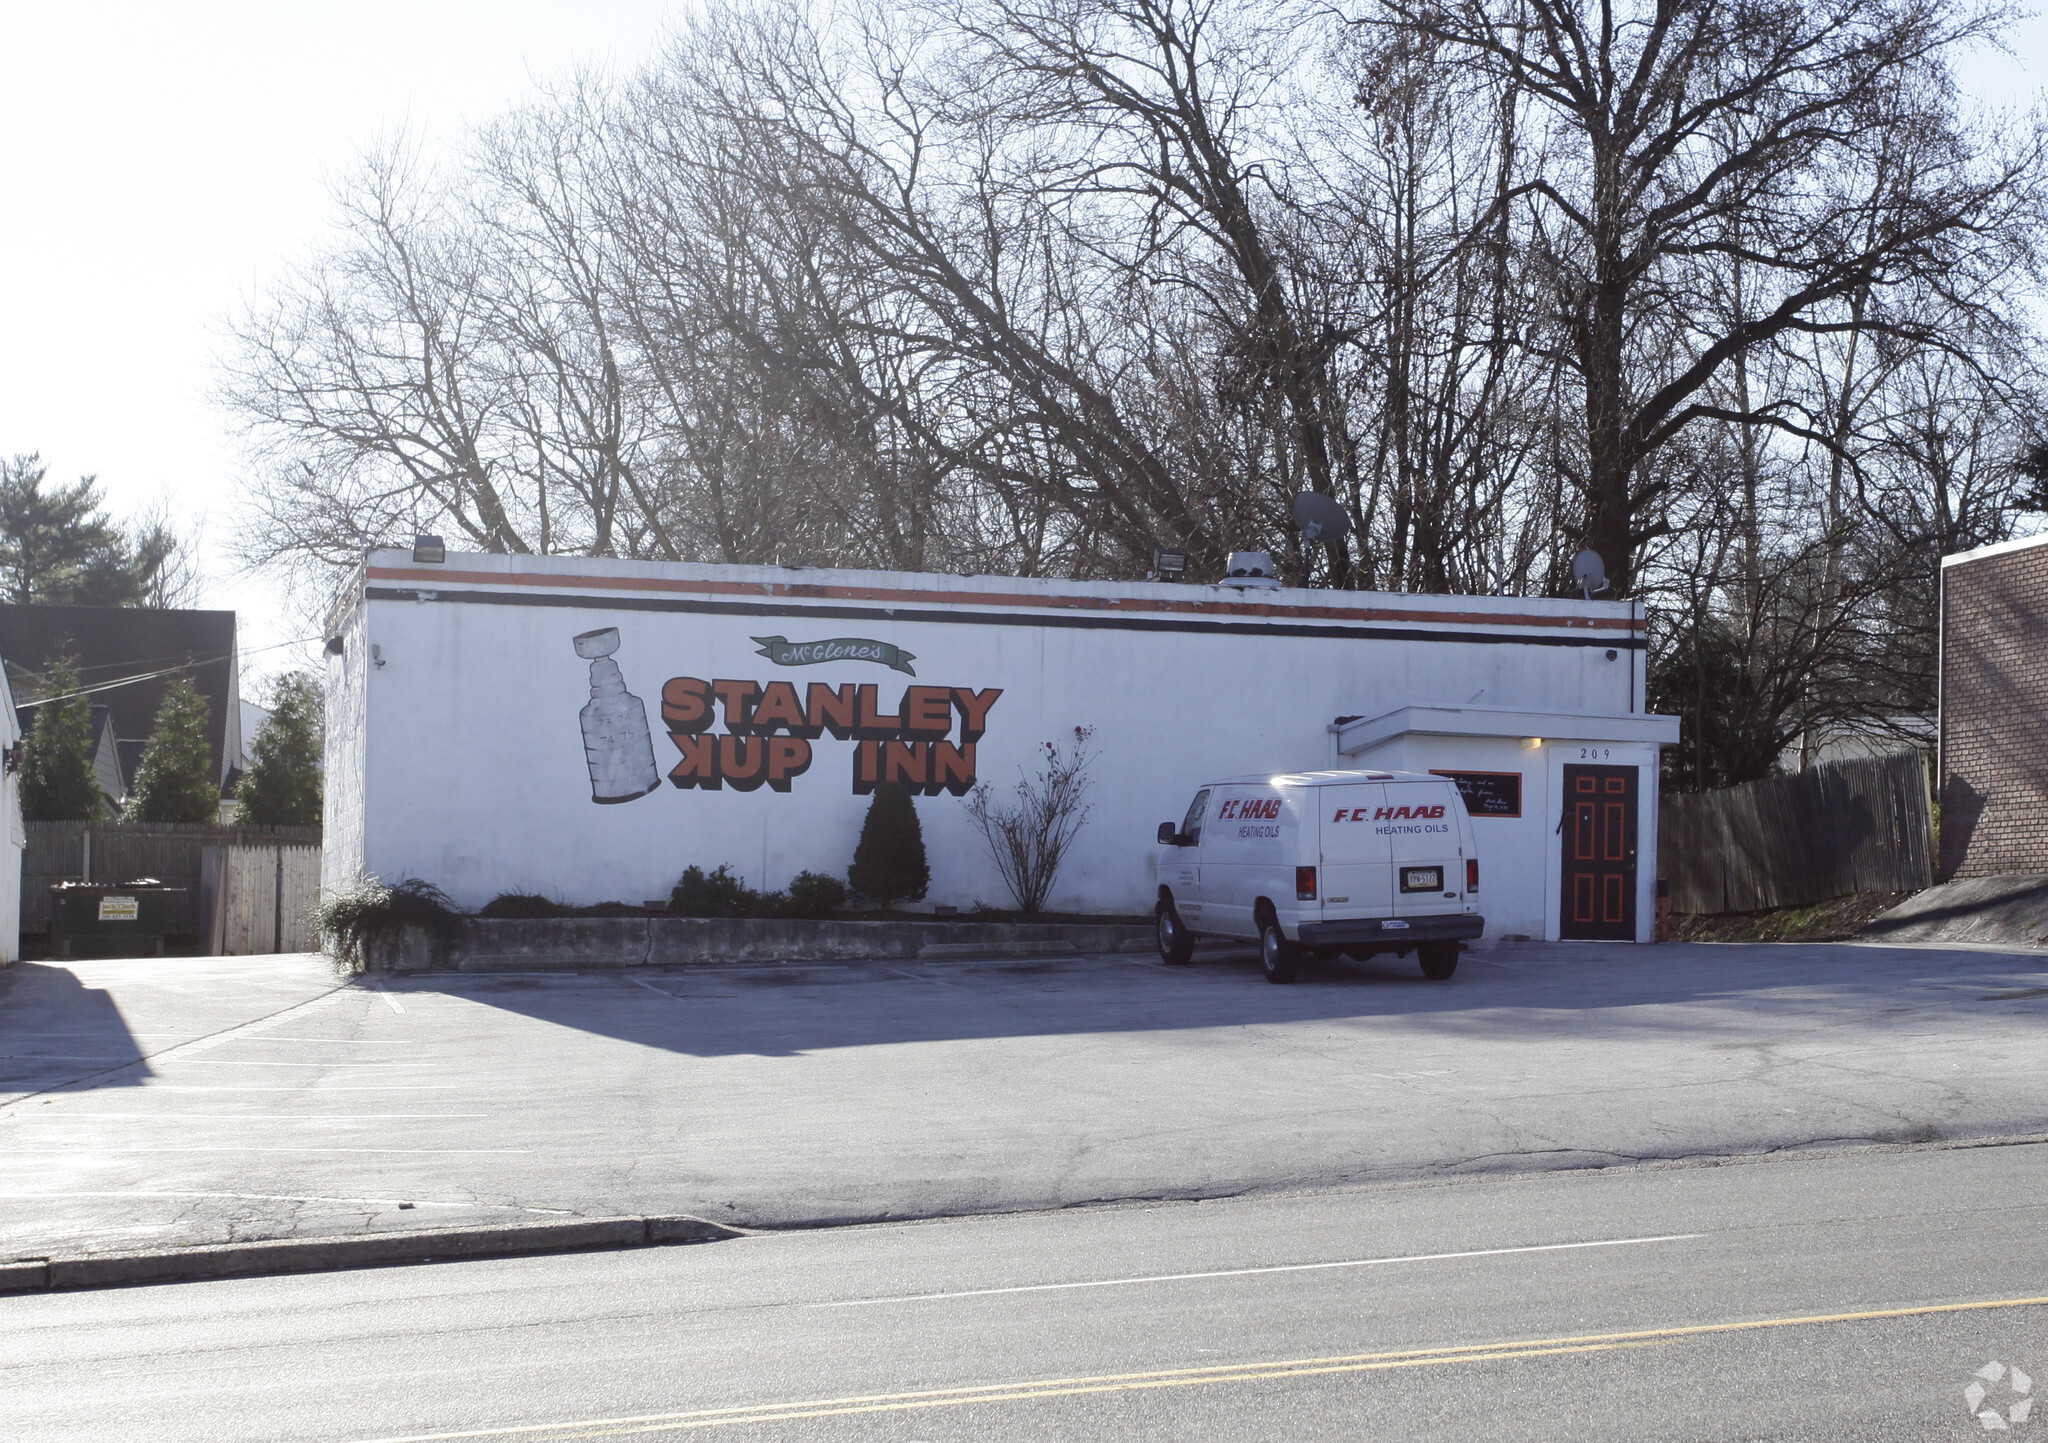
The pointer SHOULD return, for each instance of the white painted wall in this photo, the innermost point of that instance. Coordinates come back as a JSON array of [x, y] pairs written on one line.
[[460, 759], [345, 762], [13, 836]]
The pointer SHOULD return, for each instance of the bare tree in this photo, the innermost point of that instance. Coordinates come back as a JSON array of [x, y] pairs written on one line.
[[1681, 135]]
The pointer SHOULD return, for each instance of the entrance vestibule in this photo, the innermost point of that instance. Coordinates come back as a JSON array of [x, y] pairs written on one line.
[[1563, 807]]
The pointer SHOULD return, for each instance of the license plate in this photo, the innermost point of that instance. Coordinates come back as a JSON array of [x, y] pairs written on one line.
[[1422, 879]]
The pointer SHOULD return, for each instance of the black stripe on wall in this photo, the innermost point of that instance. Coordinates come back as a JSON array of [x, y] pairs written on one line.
[[983, 618]]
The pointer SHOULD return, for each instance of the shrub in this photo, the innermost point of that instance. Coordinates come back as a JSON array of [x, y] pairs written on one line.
[[524, 904], [712, 894], [350, 916], [814, 895], [1029, 837], [890, 863]]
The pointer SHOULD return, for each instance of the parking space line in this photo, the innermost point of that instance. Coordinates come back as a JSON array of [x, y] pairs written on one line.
[[914, 977], [390, 1001]]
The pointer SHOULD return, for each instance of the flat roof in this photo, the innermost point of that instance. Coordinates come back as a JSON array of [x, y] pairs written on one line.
[[1360, 734], [604, 583], [1997, 548]]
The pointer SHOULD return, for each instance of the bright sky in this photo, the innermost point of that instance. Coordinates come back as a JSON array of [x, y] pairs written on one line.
[[161, 160]]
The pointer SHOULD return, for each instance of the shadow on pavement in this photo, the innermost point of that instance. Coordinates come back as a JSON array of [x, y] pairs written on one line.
[[55, 1030], [780, 1010]]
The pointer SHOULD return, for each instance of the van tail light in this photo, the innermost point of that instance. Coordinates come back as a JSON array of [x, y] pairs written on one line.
[[1304, 884], [1471, 874]]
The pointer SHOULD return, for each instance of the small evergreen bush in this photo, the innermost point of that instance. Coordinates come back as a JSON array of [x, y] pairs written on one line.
[[889, 864]]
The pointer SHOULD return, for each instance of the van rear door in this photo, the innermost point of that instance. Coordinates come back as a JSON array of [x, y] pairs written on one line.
[[1428, 865], [1357, 863]]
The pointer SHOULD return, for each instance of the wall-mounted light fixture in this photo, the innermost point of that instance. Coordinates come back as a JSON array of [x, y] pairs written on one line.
[[335, 646], [1532, 742], [429, 548]]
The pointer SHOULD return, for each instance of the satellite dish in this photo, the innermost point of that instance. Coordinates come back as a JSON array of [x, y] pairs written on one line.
[[1318, 518], [1590, 572]]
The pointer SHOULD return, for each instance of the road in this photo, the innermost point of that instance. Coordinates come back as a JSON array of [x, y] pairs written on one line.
[[272, 1100], [1848, 1297]]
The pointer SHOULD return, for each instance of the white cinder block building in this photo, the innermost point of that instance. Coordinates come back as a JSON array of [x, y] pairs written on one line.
[[586, 729]]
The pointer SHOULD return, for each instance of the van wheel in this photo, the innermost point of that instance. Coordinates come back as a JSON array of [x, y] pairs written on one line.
[[1280, 958], [1176, 943], [1439, 960]]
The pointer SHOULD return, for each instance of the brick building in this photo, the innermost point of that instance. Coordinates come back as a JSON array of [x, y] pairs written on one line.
[[1994, 710]]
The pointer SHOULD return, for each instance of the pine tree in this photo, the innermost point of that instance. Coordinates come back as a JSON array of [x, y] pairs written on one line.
[[889, 862], [282, 786], [174, 780], [57, 781]]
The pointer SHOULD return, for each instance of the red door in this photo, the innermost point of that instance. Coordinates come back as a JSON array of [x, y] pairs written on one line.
[[1599, 835]]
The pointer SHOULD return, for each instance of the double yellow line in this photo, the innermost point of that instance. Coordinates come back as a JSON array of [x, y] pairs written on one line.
[[1172, 1378]]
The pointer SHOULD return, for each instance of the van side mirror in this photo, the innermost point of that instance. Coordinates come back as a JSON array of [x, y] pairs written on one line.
[[1169, 835]]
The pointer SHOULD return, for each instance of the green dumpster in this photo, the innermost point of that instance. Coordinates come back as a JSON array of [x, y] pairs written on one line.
[[110, 919]]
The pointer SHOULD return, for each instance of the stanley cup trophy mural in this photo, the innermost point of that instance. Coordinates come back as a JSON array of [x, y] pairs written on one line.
[[616, 739]]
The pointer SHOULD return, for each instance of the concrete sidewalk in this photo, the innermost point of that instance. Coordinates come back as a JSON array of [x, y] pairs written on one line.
[[273, 1100]]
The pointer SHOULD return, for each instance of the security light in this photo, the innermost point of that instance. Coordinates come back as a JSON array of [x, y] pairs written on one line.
[[1170, 561], [428, 548]]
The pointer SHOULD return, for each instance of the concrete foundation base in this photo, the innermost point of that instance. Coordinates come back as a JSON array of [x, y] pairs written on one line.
[[575, 943]]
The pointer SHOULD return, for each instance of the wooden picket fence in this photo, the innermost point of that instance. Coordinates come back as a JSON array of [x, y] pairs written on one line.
[[1790, 841], [173, 853], [260, 899]]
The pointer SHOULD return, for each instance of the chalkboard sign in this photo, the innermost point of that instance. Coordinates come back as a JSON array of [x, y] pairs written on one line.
[[1488, 794]]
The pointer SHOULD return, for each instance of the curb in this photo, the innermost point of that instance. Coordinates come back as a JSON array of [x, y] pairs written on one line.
[[311, 1255]]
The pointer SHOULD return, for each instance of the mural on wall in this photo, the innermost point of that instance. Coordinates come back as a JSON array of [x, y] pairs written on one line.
[[769, 730], [784, 652], [926, 745], [617, 742]]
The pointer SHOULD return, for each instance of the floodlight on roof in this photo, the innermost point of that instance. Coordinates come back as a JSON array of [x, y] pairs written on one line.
[[429, 548]]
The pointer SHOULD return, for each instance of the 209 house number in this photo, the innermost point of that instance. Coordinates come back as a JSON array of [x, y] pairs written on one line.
[[1595, 754]]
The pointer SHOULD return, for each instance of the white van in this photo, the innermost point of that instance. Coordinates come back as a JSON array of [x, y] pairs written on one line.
[[1318, 863]]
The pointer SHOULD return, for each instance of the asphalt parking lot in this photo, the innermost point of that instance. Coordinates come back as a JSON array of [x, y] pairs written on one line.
[[170, 1102]]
